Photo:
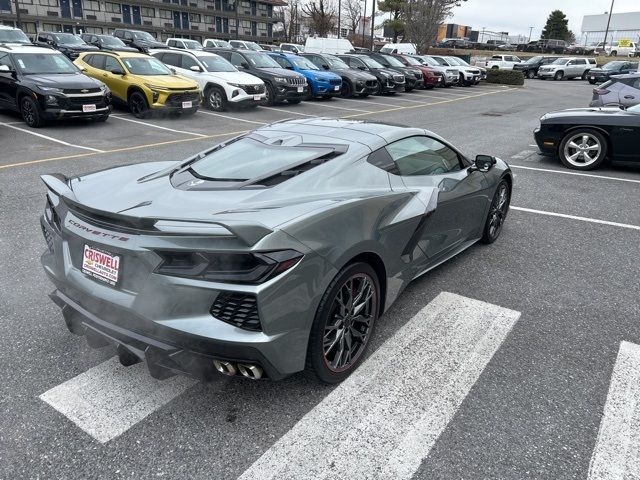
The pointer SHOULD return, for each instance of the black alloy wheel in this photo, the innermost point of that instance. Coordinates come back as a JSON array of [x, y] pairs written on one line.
[[497, 213], [269, 97], [531, 74], [138, 105], [344, 324], [31, 112]]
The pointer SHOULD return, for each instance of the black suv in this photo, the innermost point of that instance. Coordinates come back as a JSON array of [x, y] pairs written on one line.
[[413, 76], [142, 41], [282, 84], [68, 43], [530, 68], [389, 81], [43, 84], [549, 45], [354, 81], [106, 42]]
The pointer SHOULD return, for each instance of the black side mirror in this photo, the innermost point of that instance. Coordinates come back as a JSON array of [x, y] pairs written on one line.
[[325, 66], [483, 163], [244, 65], [362, 67], [117, 71]]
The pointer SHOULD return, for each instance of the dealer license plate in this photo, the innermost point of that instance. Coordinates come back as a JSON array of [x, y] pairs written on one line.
[[300, 89], [101, 265], [89, 108], [592, 78], [187, 104], [256, 97], [336, 88]]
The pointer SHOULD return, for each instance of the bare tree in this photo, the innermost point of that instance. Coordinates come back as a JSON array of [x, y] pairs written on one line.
[[422, 19], [353, 13], [322, 16]]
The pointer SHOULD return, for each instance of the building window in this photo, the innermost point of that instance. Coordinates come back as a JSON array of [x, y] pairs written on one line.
[[195, 17], [51, 27], [96, 30], [111, 7], [49, 3], [209, 19], [246, 24], [93, 5], [166, 14], [26, 2], [5, 5], [262, 26], [148, 12], [28, 27], [262, 6]]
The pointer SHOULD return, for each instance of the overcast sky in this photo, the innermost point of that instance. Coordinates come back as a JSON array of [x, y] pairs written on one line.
[[516, 16]]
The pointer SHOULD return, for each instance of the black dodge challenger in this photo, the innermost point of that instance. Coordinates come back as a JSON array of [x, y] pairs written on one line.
[[584, 137]]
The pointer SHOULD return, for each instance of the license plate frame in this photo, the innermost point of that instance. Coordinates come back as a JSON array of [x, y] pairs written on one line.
[[188, 104], [101, 265], [257, 97], [300, 89], [91, 107]]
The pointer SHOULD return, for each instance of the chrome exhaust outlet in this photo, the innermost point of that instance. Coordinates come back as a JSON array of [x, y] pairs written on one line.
[[254, 372], [226, 368]]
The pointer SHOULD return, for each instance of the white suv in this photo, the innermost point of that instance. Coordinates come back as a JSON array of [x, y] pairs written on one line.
[[567, 67], [220, 81], [184, 43], [13, 36]]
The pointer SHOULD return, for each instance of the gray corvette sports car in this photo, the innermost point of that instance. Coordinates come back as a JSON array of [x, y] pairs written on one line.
[[269, 254]]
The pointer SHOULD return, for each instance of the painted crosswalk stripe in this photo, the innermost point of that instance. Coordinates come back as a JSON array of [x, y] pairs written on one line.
[[385, 418], [108, 399], [617, 452]]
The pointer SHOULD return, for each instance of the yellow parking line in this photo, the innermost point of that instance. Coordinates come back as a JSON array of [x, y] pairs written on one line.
[[115, 150], [396, 109]]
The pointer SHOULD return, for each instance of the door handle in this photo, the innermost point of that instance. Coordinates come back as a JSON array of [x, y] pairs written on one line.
[[629, 97]]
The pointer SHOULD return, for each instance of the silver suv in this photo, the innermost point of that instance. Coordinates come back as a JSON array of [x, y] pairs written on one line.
[[567, 67]]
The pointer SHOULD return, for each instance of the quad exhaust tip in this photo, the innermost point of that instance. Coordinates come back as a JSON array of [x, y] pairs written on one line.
[[253, 372]]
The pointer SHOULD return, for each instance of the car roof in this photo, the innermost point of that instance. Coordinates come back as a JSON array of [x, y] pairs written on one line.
[[15, 48], [118, 54], [195, 53]]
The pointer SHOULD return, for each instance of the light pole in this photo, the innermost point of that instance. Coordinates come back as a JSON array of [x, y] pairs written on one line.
[[18, 22], [339, 16], [606, 33], [373, 21], [530, 33], [364, 22]]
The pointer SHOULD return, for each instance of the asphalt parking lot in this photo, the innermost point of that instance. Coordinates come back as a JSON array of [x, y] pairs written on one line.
[[523, 399]]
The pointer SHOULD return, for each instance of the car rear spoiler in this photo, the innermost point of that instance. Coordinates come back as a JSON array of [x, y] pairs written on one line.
[[248, 233]]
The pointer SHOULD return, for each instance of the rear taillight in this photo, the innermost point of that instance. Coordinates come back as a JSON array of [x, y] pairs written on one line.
[[247, 268], [600, 91]]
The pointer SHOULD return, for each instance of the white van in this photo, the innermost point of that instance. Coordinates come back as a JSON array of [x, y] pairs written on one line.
[[333, 46], [216, 43], [405, 48]]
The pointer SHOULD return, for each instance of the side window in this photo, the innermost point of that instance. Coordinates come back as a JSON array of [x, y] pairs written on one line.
[[111, 63], [423, 156], [237, 59], [172, 43], [5, 60], [159, 56], [117, 33], [90, 59], [188, 61], [283, 62], [172, 59], [356, 62], [128, 36]]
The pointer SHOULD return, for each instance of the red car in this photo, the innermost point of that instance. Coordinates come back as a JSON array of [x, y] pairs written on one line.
[[432, 78]]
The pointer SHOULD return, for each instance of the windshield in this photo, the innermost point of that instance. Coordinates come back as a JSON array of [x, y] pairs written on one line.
[[192, 45], [458, 61], [613, 65], [430, 61], [220, 43], [303, 63], [560, 61], [145, 66], [13, 36], [214, 63], [147, 37], [370, 62], [335, 62], [534, 60], [68, 39], [394, 62], [261, 60], [441, 61], [43, 63], [412, 61], [247, 159], [253, 46], [112, 41]]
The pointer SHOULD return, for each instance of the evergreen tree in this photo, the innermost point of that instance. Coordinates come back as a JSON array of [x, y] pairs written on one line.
[[395, 7], [557, 26]]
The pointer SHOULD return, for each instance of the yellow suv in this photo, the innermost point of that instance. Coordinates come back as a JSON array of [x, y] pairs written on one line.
[[141, 81]]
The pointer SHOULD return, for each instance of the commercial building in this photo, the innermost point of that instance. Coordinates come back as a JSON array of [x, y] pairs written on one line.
[[197, 19], [623, 26]]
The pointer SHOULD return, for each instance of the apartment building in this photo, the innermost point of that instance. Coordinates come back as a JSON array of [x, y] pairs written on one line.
[[197, 19]]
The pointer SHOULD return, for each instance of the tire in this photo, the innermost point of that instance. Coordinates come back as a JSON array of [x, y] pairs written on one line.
[[559, 75], [531, 74], [329, 363], [589, 139], [495, 67], [613, 54], [31, 112], [497, 213], [215, 99], [347, 89], [592, 82], [138, 105], [379, 91], [584, 75], [269, 95]]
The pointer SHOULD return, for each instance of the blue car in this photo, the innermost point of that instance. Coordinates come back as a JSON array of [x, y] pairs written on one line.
[[322, 84]]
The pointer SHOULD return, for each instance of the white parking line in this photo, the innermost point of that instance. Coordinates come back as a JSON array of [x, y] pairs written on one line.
[[523, 154], [108, 399], [232, 118], [288, 111], [368, 101], [574, 217], [51, 138], [383, 420], [338, 108], [616, 455], [157, 126], [563, 172]]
